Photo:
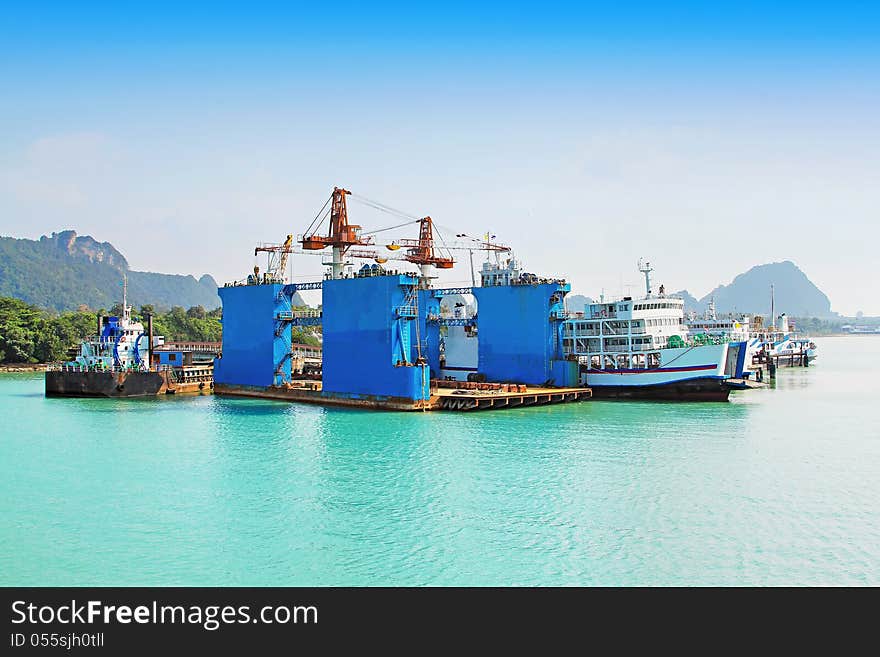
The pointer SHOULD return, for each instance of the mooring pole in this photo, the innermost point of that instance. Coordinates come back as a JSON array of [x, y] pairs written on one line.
[[150, 341]]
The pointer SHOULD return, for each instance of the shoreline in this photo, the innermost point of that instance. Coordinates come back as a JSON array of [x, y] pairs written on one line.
[[23, 367]]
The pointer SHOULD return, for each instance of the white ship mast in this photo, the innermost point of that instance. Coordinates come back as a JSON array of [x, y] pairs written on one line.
[[646, 269], [126, 309], [772, 308]]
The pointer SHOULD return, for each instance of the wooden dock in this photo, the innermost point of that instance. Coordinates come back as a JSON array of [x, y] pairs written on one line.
[[479, 400]]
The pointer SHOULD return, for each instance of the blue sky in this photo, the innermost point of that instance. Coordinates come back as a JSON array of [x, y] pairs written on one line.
[[705, 138]]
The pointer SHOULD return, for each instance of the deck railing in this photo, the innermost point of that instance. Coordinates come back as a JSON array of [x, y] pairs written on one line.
[[63, 367]]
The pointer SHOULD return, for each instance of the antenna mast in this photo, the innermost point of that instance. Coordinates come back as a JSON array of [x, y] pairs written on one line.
[[126, 311], [646, 269], [772, 307]]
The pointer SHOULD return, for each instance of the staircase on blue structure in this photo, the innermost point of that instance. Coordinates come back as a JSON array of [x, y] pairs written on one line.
[[406, 313], [283, 321]]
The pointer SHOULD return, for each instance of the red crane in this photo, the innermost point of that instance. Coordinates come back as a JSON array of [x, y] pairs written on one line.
[[342, 235], [421, 251]]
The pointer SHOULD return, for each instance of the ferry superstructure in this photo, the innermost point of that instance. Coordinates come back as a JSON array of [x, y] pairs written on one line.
[[633, 348], [122, 343], [731, 326]]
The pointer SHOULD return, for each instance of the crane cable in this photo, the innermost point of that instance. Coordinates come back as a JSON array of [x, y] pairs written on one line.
[[443, 242], [479, 245], [383, 208], [321, 212], [382, 230]]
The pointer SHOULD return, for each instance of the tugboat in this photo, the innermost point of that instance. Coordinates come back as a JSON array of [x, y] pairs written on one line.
[[633, 348], [118, 362]]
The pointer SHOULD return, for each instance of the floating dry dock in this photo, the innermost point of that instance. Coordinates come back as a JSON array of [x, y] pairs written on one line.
[[383, 345], [389, 340]]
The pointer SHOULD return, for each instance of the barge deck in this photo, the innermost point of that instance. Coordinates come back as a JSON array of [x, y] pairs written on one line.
[[496, 397]]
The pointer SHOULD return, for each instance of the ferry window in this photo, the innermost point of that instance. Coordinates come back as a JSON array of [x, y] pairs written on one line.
[[653, 360], [623, 361], [609, 362], [595, 362], [638, 361]]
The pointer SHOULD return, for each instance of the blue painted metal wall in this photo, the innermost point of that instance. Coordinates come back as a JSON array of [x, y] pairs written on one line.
[[365, 338], [173, 358], [520, 333], [252, 348]]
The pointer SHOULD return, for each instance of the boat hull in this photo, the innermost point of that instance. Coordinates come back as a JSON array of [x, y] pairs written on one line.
[[705, 389], [105, 384], [700, 373]]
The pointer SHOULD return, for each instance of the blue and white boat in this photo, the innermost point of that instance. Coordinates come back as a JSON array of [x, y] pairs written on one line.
[[636, 348]]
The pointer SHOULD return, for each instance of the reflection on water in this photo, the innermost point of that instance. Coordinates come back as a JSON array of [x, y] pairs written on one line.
[[778, 486]]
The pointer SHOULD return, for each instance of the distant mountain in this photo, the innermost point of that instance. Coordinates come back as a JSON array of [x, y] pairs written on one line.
[[690, 301], [65, 270], [795, 294], [577, 302]]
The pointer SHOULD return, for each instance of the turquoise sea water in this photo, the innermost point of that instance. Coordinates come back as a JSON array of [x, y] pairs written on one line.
[[779, 486]]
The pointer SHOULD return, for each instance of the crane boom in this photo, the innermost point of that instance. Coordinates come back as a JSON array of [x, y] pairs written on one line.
[[277, 255]]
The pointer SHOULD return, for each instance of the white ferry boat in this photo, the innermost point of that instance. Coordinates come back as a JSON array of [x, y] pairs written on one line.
[[633, 348]]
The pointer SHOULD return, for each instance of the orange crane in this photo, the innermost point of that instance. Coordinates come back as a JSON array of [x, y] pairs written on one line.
[[344, 238], [421, 251], [341, 236]]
